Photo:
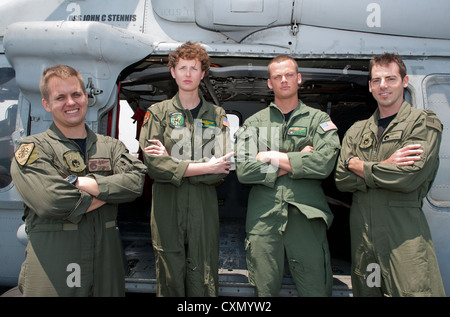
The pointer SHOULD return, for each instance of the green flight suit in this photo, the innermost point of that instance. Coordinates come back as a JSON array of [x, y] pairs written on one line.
[[297, 196], [389, 232], [185, 212], [71, 252]]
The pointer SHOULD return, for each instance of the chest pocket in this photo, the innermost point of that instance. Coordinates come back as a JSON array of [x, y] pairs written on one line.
[[74, 162], [178, 142], [390, 142], [296, 139], [393, 136], [207, 138], [386, 146], [366, 145], [297, 136], [67, 161], [176, 135], [268, 138]]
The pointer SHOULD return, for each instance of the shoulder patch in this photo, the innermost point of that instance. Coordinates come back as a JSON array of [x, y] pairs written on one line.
[[146, 117], [26, 154], [240, 131], [327, 126], [225, 121]]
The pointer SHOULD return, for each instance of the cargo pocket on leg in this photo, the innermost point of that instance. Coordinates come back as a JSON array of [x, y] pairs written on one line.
[[249, 260]]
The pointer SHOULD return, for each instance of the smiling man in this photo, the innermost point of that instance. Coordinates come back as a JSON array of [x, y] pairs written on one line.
[[71, 181], [284, 151], [388, 162]]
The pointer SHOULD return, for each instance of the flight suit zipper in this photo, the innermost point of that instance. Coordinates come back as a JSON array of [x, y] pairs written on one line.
[[379, 140]]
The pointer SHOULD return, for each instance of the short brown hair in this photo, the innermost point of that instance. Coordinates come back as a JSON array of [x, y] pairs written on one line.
[[189, 51], [282, 58], [60, 71], [384, 60]]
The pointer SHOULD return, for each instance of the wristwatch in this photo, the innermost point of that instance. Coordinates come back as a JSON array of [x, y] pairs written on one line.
[[72, 179], [347, 161]]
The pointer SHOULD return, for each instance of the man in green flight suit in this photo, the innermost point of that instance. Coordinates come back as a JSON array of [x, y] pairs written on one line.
[[284, 151], [184, 142], [388, 162], [71, 181]]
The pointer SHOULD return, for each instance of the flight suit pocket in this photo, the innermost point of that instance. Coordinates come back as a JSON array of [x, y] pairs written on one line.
[[392, 136], [191, 264], [367, 141], [44, 227], [249, 258], [391, 142], [209, 146], [178, 143]]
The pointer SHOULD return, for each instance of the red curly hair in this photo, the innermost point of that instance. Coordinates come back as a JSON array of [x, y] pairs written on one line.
[[189, 51]]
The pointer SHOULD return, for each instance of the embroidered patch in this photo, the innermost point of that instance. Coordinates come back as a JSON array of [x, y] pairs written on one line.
[[300, 131], [23, 154], [74, 161], [366, 141], [99, 165], [240, 131], [176, 120], [327, 126], [225, 121], [146, 117], [208, 124]]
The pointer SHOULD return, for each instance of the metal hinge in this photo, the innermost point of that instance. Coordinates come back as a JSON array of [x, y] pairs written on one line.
[[92, 92], [294, 27]]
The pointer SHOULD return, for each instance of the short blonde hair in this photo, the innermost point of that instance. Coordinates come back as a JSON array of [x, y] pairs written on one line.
[[60, 71], [282, 58]]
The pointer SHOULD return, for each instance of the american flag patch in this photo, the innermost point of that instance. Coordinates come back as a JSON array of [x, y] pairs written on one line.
[[225, 121], [329, 125]]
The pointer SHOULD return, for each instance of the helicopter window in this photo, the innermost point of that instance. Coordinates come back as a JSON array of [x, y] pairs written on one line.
[[437, 99], [9, 94]]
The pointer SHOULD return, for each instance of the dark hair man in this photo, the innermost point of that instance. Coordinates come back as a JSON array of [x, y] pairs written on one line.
[[388, 162]]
